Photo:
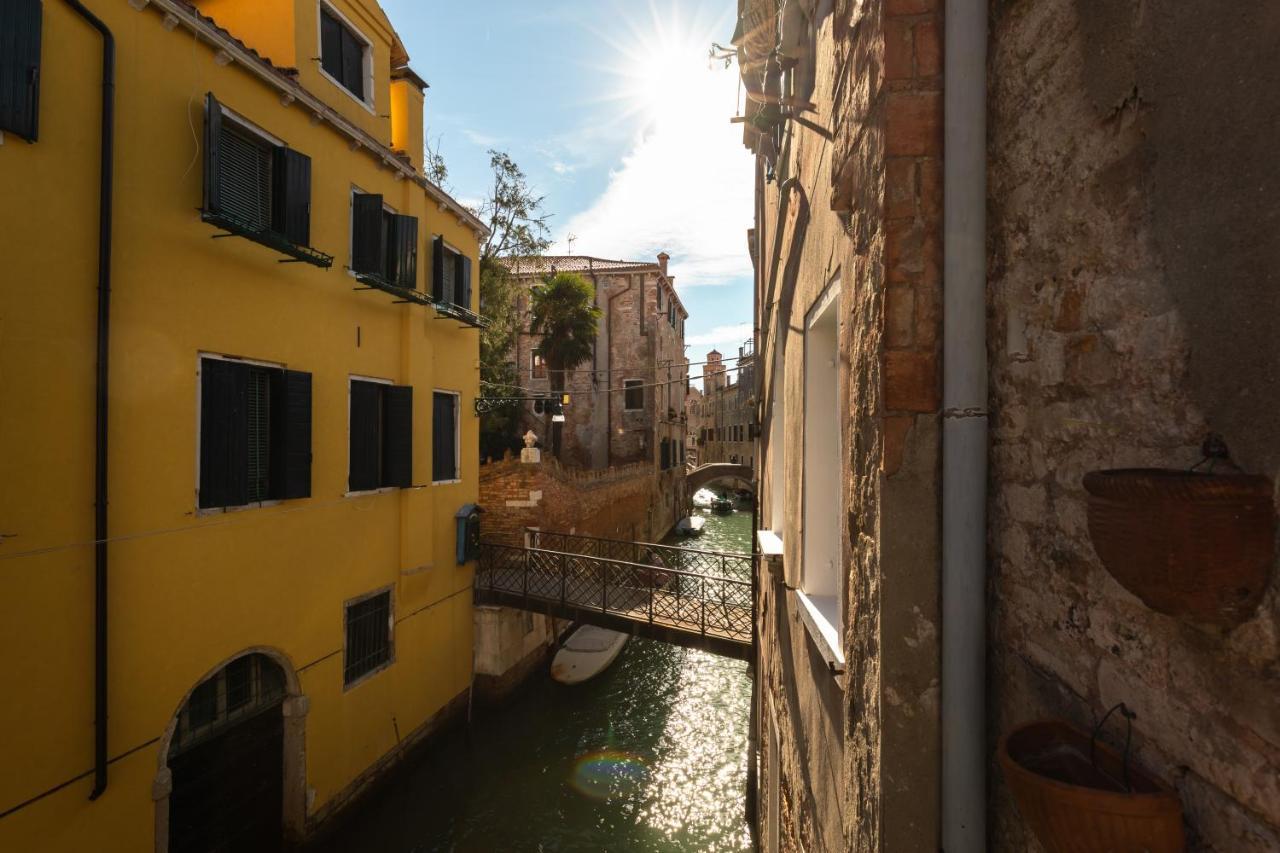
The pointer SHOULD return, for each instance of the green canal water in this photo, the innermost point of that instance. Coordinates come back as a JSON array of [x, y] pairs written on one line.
[[649, 756]]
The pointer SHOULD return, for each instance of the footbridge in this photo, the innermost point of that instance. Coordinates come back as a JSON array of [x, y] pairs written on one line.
[[686, 596], [712, 471]]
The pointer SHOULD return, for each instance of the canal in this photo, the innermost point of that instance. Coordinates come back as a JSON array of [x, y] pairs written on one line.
[[649, 756]]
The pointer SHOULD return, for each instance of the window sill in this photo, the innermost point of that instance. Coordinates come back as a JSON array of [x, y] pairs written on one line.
[[362, 492], [445, 482], [220, 510], [365, 676], [818, 613], [770, 543], [342, 88]]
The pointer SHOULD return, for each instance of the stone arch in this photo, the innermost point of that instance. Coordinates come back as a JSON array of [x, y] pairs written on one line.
[[294, 710], [705, 475]]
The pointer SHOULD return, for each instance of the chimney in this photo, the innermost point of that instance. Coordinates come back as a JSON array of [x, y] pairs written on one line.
[[663, 257]]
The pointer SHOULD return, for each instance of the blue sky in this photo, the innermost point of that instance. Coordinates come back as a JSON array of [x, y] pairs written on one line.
[[612, 111]]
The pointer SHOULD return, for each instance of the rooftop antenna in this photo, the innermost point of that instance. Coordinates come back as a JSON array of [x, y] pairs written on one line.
[[570, 240]]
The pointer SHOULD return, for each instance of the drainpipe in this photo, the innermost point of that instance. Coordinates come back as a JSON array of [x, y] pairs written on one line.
[[100, 435], [608, 407], [964, 432]]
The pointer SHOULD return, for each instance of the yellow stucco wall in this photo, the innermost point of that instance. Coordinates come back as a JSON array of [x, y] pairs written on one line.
[[190, 590]]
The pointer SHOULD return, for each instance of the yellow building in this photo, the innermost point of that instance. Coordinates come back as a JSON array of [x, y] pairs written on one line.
[[287, 440]]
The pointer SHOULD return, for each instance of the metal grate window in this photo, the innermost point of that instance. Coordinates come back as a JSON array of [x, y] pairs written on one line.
[[368, 637], [245, 176], [244, 687]]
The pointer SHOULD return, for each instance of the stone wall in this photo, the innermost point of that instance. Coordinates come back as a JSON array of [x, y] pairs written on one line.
[[1133, 290]]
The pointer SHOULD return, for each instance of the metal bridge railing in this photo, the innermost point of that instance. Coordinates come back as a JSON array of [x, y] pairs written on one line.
[[641, 590], [724, 564]]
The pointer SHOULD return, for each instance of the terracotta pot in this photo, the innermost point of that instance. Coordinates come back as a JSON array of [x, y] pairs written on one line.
[[1075, 805], [1195, 546]]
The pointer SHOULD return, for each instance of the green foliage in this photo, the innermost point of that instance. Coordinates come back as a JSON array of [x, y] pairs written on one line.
[[563, 311]]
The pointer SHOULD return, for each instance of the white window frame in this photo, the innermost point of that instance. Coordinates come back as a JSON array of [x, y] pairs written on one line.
[[627, 383], [821, 585], [355, 377], [367, 63], [195, 493], [389, 589], [457, 436]]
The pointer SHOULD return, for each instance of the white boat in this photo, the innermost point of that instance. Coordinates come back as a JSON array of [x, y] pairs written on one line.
[[690, 525], [587, 653]]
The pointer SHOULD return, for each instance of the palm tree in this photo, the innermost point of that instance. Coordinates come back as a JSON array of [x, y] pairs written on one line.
[[565, 314]]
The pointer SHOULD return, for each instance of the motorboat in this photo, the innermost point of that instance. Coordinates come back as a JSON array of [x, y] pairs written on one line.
[[690, 525], [587, 653], [722, 506]]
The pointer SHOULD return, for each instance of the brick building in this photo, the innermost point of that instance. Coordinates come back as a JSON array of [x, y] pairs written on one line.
[[628, 399], [1111, 287], [726, 411]]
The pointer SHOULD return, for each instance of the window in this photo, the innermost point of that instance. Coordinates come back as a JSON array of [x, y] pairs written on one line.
[[820, 572], [537, 366], [256, 186], [633, 395], [384, 244], [450, 275], [368, 648], [342, 53], [255, 433], [240, 689], [20, 22], [381, 453], [444, 437]]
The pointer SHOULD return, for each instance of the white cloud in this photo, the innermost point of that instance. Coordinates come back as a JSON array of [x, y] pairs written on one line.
[[685, 187], [721, 336], [484, 140], [561, 168]]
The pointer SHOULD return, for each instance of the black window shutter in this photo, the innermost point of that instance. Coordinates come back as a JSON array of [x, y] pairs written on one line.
[[397, 439], [330, 45], [405, 230], [291, 208], [352, 63], [20, 22], [224, 433], [366, 429], [443, 438], [212, 154], [437, 269], [463, 290], [368, 244], [290, 434]]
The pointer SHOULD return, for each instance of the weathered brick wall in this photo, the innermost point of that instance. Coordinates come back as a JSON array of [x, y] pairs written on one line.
[[1133, 290], [630, 502]]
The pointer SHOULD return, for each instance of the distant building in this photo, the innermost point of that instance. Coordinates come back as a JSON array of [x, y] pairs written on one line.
[[726, 411]]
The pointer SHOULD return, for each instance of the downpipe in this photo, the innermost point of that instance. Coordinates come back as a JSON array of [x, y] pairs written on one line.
[[102, 397], [964, 432]]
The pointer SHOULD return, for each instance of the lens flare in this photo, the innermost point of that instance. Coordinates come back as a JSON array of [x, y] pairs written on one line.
[[609, 774]]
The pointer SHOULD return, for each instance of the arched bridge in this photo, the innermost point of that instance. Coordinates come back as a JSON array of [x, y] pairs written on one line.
[[712, 471], [686, 596]]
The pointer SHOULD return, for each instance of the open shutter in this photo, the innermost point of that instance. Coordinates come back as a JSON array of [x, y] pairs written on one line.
[[291, 207], [224, 433], [291, 434], [405, 238], [443, 438], [212, 154], [20, 22], [397, 438], [368, 244], [366, 414], [463, 291], [330, 45], [437, 269]]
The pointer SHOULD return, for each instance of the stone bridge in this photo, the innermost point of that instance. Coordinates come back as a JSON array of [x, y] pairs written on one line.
[[704, 475]]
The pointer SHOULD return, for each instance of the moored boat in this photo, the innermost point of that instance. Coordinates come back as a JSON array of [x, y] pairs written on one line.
[[690, 525], [587, 653], [722, 506]]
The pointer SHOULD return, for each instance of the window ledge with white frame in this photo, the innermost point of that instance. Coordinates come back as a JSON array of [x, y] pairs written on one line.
[[820, 615]]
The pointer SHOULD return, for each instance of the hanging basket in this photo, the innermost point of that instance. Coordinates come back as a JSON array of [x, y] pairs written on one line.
[[1194, 546], [1080, 796]]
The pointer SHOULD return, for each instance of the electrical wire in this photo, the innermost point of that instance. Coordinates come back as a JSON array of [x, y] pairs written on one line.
[[678, 380]]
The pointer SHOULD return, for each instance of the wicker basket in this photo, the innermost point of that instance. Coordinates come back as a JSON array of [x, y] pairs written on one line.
[[1075, 804], [1195, 546]]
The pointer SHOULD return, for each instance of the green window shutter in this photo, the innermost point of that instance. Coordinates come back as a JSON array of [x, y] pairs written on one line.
[[244, 176], [20, 23], [397, 439], [405, 238], [463, 291], [291, 434], [291, 210], [444, 465], [368, 242], [365, 471], [212, 155], [224, 433], [437, 269]]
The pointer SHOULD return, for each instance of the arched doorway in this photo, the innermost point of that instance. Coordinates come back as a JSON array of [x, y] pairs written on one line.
[[226, 761]]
